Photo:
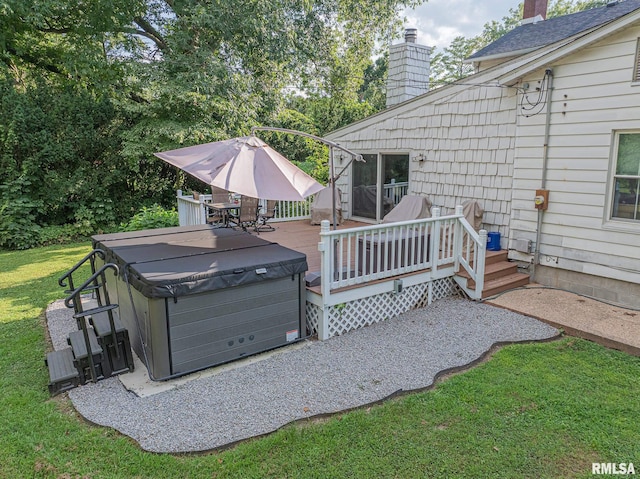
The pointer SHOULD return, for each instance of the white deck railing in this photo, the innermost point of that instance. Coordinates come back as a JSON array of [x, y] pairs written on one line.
[[194, 212], [439, 245], [291, 210], [395, 191], [190, 210]]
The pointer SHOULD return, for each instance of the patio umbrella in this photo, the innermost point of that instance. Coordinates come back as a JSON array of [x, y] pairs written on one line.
[[245, 165]]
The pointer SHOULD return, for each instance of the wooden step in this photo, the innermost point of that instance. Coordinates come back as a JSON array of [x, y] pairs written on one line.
[[63, 374], [492, 271], [504, 283], [492, 257]]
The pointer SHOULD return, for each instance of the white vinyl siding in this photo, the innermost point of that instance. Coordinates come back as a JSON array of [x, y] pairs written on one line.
[[591, 99]]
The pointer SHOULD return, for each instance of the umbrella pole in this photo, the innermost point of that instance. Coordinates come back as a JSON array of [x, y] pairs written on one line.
[[332, 180]]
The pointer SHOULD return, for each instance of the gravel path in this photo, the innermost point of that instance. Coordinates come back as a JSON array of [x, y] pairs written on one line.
[[361, 367]]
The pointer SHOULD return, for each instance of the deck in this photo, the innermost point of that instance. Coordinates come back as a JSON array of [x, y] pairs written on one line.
[[302, 236], [371, 272]]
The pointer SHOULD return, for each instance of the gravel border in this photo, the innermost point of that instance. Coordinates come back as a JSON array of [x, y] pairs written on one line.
[[323, 377]]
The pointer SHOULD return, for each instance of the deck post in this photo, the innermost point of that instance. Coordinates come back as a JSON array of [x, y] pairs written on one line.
[[203, 211], [458, 238], [434, 254], [326, 275], [482, 255]]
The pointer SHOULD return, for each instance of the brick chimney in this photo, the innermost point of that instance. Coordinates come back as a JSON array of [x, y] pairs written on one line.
[[533, 8], [409, 66]]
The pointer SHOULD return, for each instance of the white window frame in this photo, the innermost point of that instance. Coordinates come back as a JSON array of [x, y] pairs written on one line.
[[613, 221], [635, 80]]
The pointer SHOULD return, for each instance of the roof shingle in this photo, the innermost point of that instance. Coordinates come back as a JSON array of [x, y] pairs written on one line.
[[536, 35]]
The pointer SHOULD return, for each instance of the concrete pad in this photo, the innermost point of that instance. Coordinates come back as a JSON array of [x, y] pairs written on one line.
[[576, 315]]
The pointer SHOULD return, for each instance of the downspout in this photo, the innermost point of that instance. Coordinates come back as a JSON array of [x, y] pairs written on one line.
[[545, 160]]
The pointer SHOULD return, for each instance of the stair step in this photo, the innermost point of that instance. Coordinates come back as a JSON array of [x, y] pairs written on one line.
[[92, 311], [87, 289], [77, 343], [63, 375], [493, 271], [119, 358], [504, 283], [496, 257], [100, 322]]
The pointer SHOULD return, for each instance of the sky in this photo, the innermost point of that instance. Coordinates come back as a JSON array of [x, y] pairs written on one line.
[[440, 21]]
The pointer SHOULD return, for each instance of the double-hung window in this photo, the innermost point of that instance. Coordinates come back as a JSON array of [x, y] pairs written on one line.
[[626, 179]]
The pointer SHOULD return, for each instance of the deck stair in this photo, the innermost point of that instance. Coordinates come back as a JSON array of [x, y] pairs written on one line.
[[500, 274], [100, 347]]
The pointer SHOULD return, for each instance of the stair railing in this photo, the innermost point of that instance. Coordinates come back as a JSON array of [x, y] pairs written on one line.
[[97, 281], [66, 280]]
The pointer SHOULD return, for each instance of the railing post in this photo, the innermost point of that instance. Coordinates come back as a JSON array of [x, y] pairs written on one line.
[[182, 219], [458, 238], [434, 254], [482, 255], [326, 274], [203, 211]]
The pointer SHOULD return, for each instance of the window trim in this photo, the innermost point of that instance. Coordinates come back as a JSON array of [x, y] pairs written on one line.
[[611, 222], [635, 74]]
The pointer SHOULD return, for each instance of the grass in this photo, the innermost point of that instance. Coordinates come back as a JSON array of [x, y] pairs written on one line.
[[542, 410]]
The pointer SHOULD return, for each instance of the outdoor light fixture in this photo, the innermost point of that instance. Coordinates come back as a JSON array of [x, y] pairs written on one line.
[[420, 158]]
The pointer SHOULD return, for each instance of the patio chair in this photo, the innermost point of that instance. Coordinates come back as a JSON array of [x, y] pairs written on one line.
[[217, 216], [268, 214], [219, 195], [248, 213]]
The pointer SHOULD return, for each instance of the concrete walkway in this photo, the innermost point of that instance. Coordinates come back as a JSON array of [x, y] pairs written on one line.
[[612, 326]]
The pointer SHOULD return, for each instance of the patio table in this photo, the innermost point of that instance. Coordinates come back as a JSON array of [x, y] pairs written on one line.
[[223, 210]]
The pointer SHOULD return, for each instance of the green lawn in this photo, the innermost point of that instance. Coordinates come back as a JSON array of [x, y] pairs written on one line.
[[544, 410]]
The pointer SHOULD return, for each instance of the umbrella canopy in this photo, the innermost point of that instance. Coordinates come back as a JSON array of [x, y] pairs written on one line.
[[245, 165]]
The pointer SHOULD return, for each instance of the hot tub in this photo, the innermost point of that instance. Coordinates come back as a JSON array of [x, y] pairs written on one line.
[[195, 296]]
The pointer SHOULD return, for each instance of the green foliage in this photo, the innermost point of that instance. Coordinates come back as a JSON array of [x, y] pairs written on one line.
[[18, 212], [61, 234], [448, 66], [151, 218], [89, 92]]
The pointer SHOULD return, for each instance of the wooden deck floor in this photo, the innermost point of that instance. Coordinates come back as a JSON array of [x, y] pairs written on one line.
[[302, 236]]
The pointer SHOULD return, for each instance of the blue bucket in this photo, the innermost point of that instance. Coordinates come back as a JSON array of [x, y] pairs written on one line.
[[493, 241]]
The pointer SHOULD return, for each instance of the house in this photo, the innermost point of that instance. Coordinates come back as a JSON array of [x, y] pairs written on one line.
[[545, 135]]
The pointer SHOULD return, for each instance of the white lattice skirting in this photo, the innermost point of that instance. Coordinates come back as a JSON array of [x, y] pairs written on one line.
[[356, 314]]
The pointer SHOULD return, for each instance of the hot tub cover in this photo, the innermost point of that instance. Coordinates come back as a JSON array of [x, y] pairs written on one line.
[[173, 262]]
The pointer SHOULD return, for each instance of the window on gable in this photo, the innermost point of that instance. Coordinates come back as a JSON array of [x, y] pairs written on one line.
[[626, 196]]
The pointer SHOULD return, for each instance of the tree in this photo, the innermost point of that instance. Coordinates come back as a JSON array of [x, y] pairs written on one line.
[[139, 76]]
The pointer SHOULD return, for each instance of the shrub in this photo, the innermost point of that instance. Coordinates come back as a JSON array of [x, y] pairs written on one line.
[[18, 229], [149, 218]]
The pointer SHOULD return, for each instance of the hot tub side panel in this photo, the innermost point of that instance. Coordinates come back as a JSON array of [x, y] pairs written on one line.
[[146, 321], [223, 325]]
